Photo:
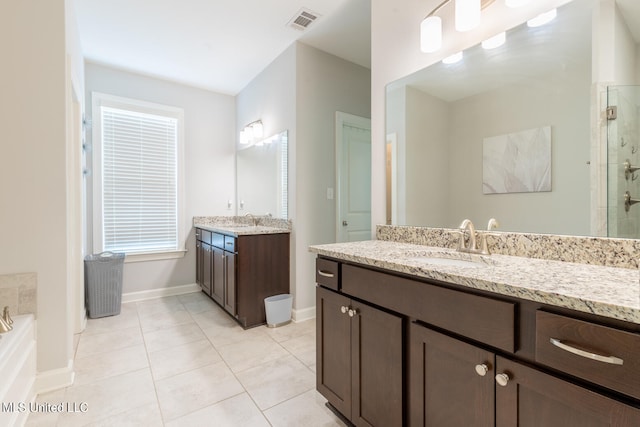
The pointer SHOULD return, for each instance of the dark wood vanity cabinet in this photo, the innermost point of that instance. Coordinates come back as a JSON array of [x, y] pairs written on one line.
[[238, 273], [471, 359], [359, 359]]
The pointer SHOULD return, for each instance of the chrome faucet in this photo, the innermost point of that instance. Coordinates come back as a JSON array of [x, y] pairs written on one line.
[[472, 247], [253, 218]]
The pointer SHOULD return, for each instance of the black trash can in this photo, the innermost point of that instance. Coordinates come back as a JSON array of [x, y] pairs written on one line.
[[103, 284]]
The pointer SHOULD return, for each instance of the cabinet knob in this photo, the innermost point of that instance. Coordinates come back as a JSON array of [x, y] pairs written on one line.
[[482, 369], [344, 309], [353, 312], [502, 379]]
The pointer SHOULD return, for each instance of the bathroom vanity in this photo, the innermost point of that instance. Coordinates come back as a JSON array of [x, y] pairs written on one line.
[[239, 265], [423, 336]]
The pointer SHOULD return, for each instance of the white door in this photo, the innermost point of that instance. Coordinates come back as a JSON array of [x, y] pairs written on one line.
[[353, 166]]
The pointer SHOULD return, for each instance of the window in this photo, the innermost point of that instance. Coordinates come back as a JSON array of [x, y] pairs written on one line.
[[137, 178]]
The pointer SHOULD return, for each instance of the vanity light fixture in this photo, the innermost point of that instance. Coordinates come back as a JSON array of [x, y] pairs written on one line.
[[252, 133], [542, 19], [456, 57], [495, 41], [467, 17]]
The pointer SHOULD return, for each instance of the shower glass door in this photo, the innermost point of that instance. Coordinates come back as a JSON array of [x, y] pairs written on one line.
[[623, 161]]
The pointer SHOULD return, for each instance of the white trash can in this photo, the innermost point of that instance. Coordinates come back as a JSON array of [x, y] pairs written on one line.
[[278, 309]]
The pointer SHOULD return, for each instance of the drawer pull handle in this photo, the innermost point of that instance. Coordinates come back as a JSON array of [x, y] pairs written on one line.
[[606, 359], [325, 273]]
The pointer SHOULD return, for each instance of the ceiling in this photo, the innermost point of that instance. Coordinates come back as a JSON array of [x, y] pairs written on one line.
[[219, 45]]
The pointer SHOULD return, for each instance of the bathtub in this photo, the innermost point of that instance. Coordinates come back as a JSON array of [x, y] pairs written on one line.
[[17, 370]]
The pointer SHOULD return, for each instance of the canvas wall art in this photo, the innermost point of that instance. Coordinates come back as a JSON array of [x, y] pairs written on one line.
[[517, 162]]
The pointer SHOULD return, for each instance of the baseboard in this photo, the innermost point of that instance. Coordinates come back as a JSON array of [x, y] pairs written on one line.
[[304, 314], [55, 379], [161, 292]]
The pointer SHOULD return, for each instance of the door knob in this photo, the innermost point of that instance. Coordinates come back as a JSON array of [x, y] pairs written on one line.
[[482, 369], [345, 223], [502, 379]]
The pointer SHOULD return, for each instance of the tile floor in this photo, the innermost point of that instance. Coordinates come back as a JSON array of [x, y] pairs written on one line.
[[182, 361]]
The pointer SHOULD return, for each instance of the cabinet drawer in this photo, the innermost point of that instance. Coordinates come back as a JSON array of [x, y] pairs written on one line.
[[217, 240], [603, 355], [205, 236], [229, 243], [327, 273], [490, 321]]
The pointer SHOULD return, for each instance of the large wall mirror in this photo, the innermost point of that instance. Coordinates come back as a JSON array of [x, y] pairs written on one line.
[[261, 177], [444, 123]]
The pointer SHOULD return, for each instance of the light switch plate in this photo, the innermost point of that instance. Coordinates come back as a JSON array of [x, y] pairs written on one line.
[[329, 193]]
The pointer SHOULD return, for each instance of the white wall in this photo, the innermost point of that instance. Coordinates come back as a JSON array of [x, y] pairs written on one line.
[[395, 53], [35, 81], [209, 149]]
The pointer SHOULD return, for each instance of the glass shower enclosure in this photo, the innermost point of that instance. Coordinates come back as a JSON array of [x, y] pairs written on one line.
[[623, 161]]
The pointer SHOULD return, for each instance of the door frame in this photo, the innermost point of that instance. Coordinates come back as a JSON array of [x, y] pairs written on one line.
[[341, 120]]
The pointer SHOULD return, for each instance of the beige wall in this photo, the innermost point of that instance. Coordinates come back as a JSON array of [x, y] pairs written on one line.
[[39, 62], [301, 91], [395, 52]]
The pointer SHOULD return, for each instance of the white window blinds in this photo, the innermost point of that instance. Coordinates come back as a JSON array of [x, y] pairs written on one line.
[[139, 181]]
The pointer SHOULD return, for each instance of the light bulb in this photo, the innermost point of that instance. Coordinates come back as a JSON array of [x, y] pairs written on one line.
[[258, 130], [456, 57], [542, 19], [431, 34], [495, 41], [467, 14]]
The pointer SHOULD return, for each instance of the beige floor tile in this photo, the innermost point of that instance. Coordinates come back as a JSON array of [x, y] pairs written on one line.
[[214, 318], [159, 305], [198, 302], [251, 353], [274, 382], [292, 330], [175, 360], [128, 318], [307, 409], [188, 392], [45, 418], [221, 336], [109, 397], [99, 366], [234, 412], [173, 336], [303, 348], [144, 416], [164, 319], [108, 341]]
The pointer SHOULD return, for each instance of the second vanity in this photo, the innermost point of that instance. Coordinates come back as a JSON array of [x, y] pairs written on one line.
[[239, 264], [423, 336]]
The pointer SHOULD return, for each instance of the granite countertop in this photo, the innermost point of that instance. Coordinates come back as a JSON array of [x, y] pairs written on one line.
[[605, 291], [243, 229]]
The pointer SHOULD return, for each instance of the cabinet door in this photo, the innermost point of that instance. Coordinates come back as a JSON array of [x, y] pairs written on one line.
[[199, 259], [333, 350], [217, 285], [230, 282], [531, 398], [207, 268], [451, 383], [376, 345]]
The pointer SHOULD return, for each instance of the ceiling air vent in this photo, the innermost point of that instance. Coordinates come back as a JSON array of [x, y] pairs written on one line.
[[303, 19]]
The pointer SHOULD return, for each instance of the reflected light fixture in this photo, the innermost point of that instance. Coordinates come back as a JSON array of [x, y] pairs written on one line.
[[515, 3], [456, 57], [467, 14], [467, 17], [252, 133], [495, 41], [542, 19]]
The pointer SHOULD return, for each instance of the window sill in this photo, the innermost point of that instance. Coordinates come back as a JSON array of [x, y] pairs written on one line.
[[155, 256]]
